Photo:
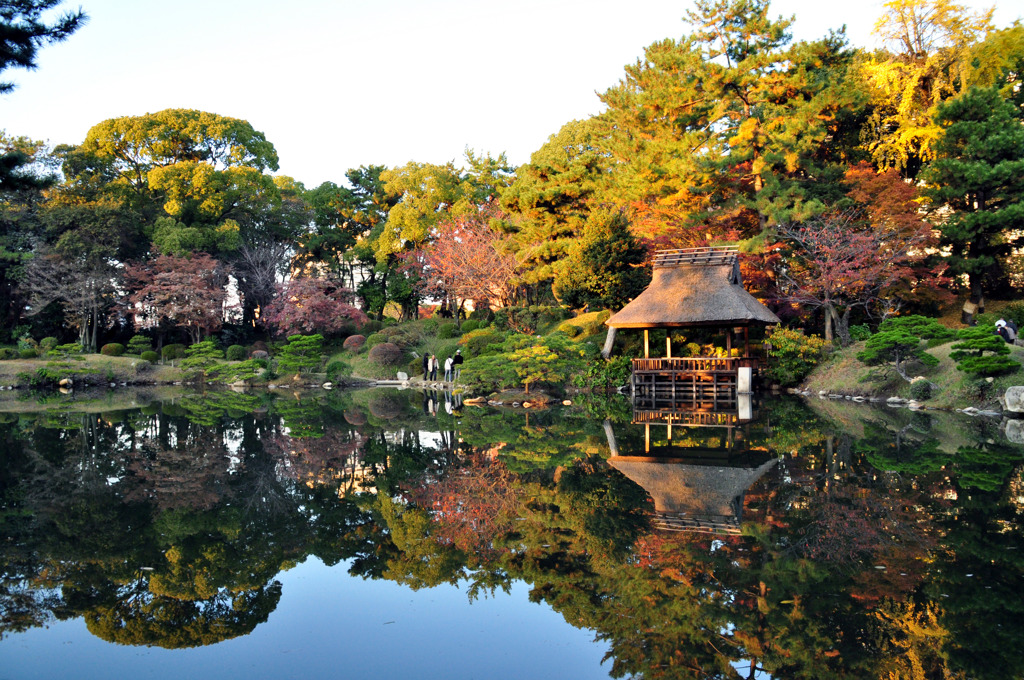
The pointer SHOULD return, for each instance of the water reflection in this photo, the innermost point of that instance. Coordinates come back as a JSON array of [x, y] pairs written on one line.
[[829, 541]]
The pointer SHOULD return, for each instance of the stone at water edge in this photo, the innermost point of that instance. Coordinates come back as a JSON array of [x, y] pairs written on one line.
[[1013, 400], [403, 376], [1014, 431]]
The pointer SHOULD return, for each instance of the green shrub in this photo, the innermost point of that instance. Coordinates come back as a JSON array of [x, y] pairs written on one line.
[[860, 332], [375, 339], [386, 354], [484, 314], [7, 353], [236, 353], [429, 326], [26, 342], [48, 343], [447, 331], [28, 353], [302, 354], [479, 341], [112, 349], [1015, 312], [591, 323], [371, 327], [72, 349], [920, 389], [471, 325], [337, 369], [139, 344], [969, 352], [792, 355], [173, 351], [899, 339], [528, 320], [403, 336], [150, 356]]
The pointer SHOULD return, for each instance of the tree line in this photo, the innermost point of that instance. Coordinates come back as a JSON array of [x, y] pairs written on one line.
[[859, 184]]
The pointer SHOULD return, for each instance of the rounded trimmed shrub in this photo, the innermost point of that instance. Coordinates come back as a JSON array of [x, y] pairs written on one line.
[[471, 325], [375, 339], [174, 351], [236, 353], [354, 343], [28, 353], [385, 406], [112, 349], [386, 354], [337, 369], [150, 356], [448, 331], [8, 353], [48, 343]]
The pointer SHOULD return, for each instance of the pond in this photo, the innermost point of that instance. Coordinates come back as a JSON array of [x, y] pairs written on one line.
[[397, 534]]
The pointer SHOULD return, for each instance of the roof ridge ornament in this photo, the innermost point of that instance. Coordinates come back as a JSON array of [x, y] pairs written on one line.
[[708, 255]]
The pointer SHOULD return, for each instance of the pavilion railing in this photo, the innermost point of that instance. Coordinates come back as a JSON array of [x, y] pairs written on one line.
[[690, 365]]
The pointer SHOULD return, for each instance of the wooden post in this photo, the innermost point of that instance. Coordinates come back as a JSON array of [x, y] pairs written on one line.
[[647, 438], [728, 342], [668, 345], [746, 342], [647, 344]]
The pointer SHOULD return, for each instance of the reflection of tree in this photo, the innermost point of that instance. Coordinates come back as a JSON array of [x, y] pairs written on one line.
[[978, 577], [143, 618], [188, 477], [471, 504]]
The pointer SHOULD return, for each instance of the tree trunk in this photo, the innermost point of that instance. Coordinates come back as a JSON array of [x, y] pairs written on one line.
[[609, 342]]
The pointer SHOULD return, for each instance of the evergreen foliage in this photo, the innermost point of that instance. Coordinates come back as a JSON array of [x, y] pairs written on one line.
[[303, 353], [983, 353]]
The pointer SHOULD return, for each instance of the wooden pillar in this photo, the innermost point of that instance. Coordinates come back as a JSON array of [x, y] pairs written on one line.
[[668, 345], [647, 344], [728, 342], [647, 438], [746, 342]]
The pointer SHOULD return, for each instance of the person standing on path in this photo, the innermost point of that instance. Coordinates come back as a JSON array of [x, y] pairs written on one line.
[[433, 367], [448, 369], [457, 363], [426, 365]]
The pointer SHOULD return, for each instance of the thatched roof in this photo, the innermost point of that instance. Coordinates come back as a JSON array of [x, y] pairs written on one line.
[[694, 287], [697, 491]]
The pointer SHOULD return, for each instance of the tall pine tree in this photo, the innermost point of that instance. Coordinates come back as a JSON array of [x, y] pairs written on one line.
[[979, 177]]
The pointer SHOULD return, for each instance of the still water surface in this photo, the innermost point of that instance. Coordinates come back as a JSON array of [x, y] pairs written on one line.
[[397, 534]]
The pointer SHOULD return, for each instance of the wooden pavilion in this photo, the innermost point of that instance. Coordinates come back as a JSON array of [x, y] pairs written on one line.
[[698, 485], [694, 288]]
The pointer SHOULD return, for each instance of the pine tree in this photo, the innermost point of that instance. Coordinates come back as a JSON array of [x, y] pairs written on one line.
[[979, 176]]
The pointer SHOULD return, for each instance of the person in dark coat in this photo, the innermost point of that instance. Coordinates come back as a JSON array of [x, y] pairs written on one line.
[[1005, 331], [426, 365], [457, 363]]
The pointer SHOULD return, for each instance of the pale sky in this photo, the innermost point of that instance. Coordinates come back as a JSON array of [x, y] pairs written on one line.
[[339, 84]]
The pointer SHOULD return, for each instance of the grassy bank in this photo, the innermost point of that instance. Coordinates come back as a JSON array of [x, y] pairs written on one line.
[[93, 369], [842, 373]]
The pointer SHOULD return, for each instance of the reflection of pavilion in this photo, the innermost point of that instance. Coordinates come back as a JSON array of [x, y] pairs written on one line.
[[698, 478]]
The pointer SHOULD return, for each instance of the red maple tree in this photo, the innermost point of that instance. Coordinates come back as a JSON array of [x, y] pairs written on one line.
[[187, 291], [311, 305], [468, 259]]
